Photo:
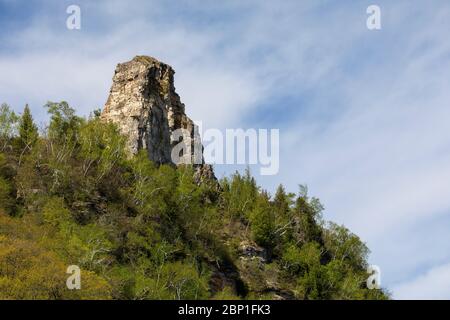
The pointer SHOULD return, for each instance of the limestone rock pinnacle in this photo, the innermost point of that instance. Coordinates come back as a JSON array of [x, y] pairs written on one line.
[[146, 108]]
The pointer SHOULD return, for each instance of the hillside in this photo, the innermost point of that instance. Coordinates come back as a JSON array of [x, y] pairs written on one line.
[[82, 193]]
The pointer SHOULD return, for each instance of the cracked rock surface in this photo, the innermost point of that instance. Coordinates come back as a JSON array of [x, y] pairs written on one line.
[[145, 106]]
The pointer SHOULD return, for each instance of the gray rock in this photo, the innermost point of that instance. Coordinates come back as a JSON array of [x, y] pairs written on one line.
[[250, 250], [145, 106]]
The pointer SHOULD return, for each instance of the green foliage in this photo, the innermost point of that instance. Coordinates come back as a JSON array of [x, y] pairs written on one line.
[[343, 245], [226, 293], [6, 201], [300, 259], [55, 212], [101, 146], [8, 125], [282, 202], [139, 230], [309, 213], [63, 121], [151, 189], [30, 269], [28, 132], [262, 221], [173, 281], [239, 194]]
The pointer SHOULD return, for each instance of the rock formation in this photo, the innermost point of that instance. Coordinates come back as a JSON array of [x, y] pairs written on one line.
[[145, 106]]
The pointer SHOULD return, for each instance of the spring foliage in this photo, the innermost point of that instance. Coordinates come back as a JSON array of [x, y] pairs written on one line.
[[72, 196]]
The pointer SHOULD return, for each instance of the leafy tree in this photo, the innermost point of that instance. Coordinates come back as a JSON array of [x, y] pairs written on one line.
[[239, 194], [63, 120], [63, 130], [8, 125], [182, 281], [191, 212], [101, 147], [152, 189], [343, 245], [6, 201]]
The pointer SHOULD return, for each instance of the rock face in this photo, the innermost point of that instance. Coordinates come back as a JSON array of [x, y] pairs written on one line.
[[251, 251], [145, 106]]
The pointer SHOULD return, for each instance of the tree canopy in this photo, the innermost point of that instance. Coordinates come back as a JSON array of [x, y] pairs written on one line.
[[71, 195]]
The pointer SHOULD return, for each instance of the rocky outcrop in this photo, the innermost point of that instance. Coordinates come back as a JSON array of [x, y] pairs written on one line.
[[249, 250], [145, 106]]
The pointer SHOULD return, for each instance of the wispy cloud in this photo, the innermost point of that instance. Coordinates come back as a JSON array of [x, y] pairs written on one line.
[[431, 285], [363, 115]]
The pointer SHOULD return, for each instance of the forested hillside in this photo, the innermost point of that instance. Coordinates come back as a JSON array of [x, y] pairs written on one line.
[[70, 195]]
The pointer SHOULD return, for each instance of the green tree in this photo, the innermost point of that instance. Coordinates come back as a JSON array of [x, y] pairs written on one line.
[[8, 125], [239, 194], [262, 221], [101, 146], [30, 268], [181, 281], [313, 281], [309, 213], [61, 149], [282, 201], [144, 231], [7, 201], [28, 131], [64, 123], [282, 204], [343, 245]]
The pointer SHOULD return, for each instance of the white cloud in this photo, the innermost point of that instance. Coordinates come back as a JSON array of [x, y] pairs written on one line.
[[433, 285], [381, 164], [54, 63]]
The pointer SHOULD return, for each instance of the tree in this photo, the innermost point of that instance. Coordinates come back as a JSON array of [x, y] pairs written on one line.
[[343, 245], [262, 221], [101, 146], [61, 146], [239, 194], [309, 213], [64, 123], [313, 279], [281, 201], [30, 269], [181, 281], [28, 131], [7, 201], [144, 231], [8, 125]]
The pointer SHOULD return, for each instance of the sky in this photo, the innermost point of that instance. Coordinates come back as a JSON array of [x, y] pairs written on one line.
[[363, 114]]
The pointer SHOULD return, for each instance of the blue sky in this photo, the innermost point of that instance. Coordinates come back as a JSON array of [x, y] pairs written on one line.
[[363, 115]]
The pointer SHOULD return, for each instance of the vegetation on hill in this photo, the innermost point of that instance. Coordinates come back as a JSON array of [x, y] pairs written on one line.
[[70, 195]]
